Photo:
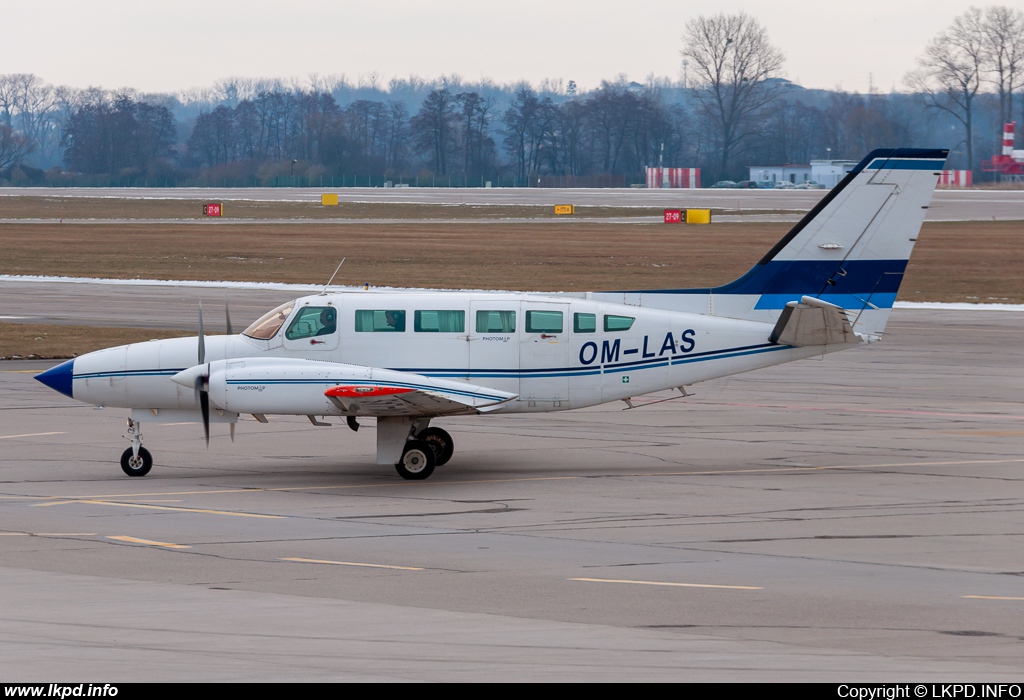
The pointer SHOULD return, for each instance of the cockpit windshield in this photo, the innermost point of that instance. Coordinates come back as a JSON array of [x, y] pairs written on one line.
[[267, 325]]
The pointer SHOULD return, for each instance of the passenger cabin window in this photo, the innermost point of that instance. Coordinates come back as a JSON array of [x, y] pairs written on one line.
[[267, 325], [495, 321], [440, 322], [312, 321], [618, 323], [584, 323], [543, 321], [380, 321]]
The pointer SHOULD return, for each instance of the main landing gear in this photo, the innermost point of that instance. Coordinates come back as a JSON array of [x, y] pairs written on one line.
[[136, 460], [440, 441], [429, 448]]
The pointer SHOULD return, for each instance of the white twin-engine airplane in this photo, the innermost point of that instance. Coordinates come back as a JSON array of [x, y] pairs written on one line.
[[408, 357]]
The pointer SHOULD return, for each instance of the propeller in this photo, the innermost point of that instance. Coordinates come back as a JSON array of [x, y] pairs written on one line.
[[227, 323], [198, 377], [227, 318], [203, 381]]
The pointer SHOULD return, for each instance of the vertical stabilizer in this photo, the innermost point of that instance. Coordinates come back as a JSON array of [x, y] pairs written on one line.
[[851, 250]]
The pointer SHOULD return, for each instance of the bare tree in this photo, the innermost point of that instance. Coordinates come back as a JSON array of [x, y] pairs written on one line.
[[1004, 38], [14, 146], [9, 97], [949, 74], [433, 129], [518, 122], [477, 145], [733, 65]]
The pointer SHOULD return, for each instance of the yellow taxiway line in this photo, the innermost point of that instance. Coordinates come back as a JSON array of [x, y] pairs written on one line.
[[23, 435], [152, 543], [352, 563], [993, 597], [177, 509], [668, 583]]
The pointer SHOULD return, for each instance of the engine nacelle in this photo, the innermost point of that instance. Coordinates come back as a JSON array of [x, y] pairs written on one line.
[[280, 386]]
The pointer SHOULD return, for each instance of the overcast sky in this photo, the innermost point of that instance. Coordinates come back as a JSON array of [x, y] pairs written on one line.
[[171, 46]]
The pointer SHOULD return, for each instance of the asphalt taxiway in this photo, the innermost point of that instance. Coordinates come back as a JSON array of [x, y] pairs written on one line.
[[857, 518]]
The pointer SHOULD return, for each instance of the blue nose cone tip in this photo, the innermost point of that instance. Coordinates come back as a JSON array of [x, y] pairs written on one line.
[[60, 378]]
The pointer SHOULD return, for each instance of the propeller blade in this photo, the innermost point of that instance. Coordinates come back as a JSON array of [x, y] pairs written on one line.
[[202, 339], [232, 432], [202, 380], [227, 318], [204, 405]]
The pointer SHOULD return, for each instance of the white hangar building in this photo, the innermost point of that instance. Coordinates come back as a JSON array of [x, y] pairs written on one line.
[[824, 172]]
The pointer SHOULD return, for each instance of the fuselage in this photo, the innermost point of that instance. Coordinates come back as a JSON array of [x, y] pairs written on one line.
[[553, 352]]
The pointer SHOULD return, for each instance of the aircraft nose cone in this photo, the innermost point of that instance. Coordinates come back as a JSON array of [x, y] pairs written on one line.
[[59, 378]]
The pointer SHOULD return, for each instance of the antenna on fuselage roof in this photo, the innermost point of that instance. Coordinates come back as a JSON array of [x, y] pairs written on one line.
[[332, 277]]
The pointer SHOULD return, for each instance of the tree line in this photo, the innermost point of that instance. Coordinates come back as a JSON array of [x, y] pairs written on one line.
[[736, 111]]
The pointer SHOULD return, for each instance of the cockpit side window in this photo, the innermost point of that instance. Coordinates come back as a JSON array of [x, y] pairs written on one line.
[[267, 325], [312, 321]]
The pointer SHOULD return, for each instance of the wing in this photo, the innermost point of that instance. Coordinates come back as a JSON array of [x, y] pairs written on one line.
[[414, 395], [314, 387]]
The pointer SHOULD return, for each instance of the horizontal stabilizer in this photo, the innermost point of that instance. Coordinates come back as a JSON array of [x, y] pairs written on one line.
[[812, 321]]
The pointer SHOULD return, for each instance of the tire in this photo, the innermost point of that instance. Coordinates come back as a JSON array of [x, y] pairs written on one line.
[[136, 467], [417, 462], [441, 442]]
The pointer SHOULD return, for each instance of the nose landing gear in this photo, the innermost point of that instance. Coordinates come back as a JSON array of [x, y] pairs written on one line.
[[136, 460]]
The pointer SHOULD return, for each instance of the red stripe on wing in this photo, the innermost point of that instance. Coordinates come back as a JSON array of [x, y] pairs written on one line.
[[355, 391]]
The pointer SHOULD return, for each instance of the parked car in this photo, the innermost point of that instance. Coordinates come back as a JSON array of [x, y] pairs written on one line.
[[723, 185], [784, 185], [746, 185], [809, 185]]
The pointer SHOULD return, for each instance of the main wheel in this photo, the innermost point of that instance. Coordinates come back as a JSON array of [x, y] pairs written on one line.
[[417, 460], [441, 441], [136, 466]]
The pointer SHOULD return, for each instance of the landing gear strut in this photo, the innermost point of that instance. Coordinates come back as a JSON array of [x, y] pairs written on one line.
[[136, 460], [417, 447]]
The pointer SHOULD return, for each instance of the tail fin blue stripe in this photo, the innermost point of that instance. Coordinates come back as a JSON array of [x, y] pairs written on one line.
[[894, 164], [879, 300], [799, 277]]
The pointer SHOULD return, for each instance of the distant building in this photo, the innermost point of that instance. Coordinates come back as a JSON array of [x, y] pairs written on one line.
[[792, 173], [830, 172], [824, 172]]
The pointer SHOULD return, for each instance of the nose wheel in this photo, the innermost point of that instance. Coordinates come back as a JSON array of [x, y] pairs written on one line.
[[136, 465], [136, 460]]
